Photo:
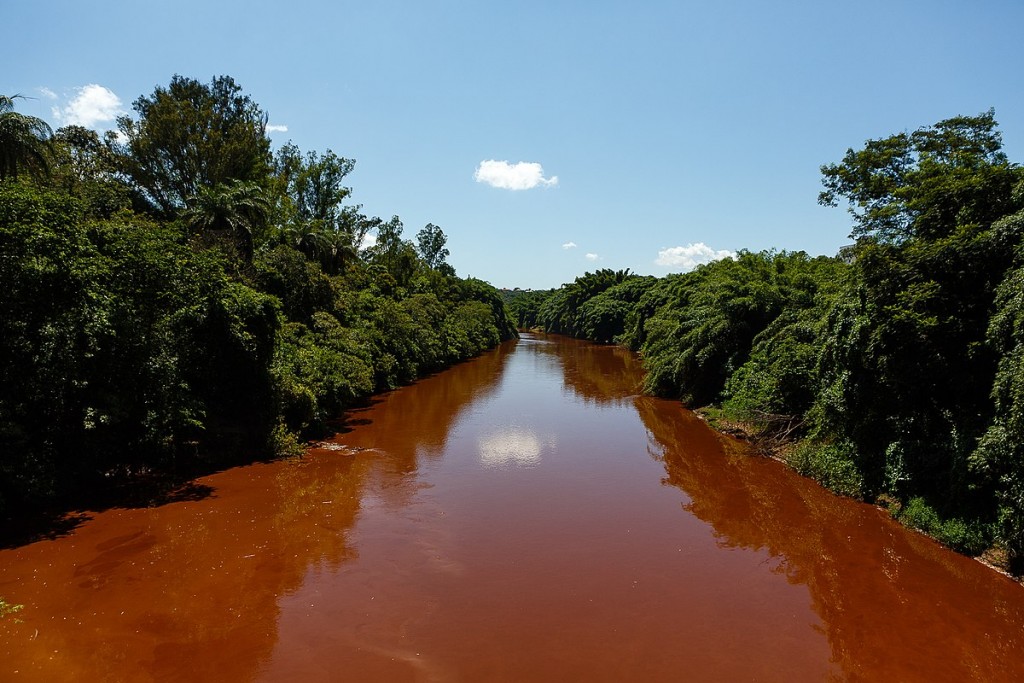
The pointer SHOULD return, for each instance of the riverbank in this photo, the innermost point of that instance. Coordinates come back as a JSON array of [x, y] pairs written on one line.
[[780, 447]]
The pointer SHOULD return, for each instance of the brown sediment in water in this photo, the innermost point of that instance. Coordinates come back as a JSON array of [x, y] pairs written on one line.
[[525, 516]]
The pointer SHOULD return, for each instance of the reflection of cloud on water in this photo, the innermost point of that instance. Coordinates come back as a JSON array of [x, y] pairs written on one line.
[[511, 447]]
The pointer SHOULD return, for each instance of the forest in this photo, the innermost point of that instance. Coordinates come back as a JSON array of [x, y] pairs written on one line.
[[893, 372], [176, 296]]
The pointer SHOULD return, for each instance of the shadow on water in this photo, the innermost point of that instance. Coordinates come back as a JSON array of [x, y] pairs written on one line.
[[39, 526], [56, 522], [595, 373], [890, 600]]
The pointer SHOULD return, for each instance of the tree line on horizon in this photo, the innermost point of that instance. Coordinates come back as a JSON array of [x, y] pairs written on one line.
[[893, 372], [177, 295]]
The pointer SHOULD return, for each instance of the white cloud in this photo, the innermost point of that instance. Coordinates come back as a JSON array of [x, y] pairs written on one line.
[[592, 257], [691, 256], [93, 105], [569, 245], [276, 128], [47, 93], [524, 175], [369, 240]]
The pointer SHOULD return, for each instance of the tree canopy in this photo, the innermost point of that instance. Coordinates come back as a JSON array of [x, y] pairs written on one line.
[[925, 184], [23, 141], [192, 135]]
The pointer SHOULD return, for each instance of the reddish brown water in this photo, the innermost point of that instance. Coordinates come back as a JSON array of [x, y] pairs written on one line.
[[522, 517]]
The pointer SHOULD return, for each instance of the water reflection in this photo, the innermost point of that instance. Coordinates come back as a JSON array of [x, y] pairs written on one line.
[[512, 447], [892, 602], [416, 421], [605, 375]]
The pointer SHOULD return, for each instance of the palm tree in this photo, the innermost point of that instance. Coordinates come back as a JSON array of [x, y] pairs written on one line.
[[332, 248], [304, 237], [341, 250], [23, 141], [235, 210]]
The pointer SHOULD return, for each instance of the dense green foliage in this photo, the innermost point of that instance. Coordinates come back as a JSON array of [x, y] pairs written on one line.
[[192, 136], [898, 367], [185, 299], [22, 141], [594, 306]]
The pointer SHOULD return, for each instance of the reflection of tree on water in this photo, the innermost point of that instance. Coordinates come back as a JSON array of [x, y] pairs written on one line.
[[417, 419], [600, 374], [890, 600]]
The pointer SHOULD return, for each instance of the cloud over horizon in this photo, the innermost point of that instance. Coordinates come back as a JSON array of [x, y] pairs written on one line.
[[276, 128], [691, 256], [524, 175], [593, 257], [93, 105], [569, 245]]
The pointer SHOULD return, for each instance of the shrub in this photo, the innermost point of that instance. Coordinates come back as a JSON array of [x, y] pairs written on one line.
[[970, 537], [830, 464]]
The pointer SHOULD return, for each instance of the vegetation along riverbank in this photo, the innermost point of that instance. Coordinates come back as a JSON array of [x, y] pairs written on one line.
[[893, 372], [176, 296]]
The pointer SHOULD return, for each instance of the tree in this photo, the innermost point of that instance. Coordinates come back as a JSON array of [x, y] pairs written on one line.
[[430, 243], [308, 194], [706, 330], [904, 365], [396, 256], [560, 313], [191, 135], [23, 141], [999, 457], [235, 210], [927, 183], [312, 184], [84, 166]]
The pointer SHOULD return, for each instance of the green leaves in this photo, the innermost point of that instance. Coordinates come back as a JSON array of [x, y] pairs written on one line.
[[705, 327], [233, 214], [238, 309], [563, 312], [430, 243], [189, 136], [119, 344], [23, 141], [927, 183]]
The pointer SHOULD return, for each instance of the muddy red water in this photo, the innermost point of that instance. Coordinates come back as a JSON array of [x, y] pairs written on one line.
[[525, 516]]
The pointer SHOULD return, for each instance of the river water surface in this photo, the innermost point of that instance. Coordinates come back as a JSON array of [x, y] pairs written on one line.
[[525, 516]]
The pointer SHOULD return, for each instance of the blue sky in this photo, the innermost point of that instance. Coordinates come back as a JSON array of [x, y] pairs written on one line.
[[650, 135]]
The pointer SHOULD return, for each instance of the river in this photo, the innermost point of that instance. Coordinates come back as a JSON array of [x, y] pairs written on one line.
[[524, 516]]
